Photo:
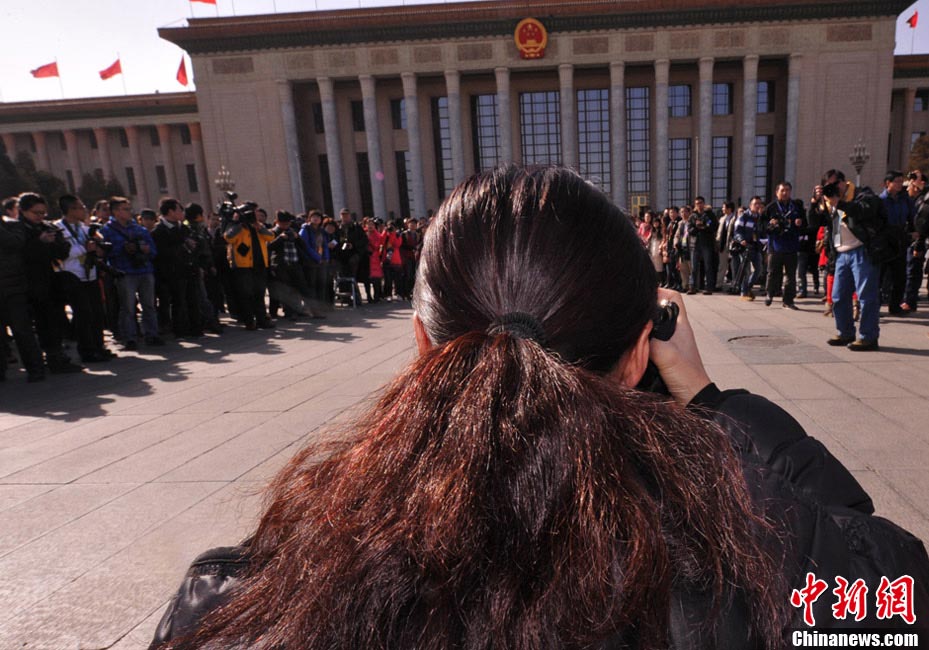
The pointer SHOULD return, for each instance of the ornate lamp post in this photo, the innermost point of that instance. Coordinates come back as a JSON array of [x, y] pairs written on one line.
[[859, 158], [223, 180]]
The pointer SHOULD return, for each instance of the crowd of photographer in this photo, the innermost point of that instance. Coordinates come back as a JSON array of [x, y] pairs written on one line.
[[870, 249], [176, 271]]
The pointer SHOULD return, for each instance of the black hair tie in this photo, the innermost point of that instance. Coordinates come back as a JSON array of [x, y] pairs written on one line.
[[518, 324]]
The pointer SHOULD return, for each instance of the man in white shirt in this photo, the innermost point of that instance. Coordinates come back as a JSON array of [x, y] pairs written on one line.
[[77, 277]]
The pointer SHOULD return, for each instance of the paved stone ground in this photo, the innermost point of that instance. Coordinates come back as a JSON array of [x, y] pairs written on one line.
[[111, 482]]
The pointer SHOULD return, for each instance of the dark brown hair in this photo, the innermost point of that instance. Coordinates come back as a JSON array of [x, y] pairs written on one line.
[[502, 493]]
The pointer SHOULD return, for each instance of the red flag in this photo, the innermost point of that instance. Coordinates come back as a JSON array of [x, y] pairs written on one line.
[[206, 2], [911, 21], [111, 71], [182, 73], [47, 70]]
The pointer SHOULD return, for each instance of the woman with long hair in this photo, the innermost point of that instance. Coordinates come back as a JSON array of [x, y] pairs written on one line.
[[512, 488]]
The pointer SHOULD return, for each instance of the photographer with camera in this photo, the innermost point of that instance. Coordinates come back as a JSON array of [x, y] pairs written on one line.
[[916, 250], [248, 241], [44, 250], [353, 243], [14, 299], [747, 247], [289, 255], [175, 272], [132, 253], [702, 227], [79, 281], [784, 221]]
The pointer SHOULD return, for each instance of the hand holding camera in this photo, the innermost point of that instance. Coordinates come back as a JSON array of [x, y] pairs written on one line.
[[677, 358]]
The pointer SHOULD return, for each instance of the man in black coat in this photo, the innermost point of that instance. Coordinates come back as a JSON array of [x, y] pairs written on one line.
[[702, 227], [45, 247], [175, 271], [14, 302]]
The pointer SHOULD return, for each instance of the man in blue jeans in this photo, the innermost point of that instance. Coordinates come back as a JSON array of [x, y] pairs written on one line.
[[846, 230], [132, 254]]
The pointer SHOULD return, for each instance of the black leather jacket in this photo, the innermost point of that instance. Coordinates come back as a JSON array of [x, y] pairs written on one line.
[[822, 511]]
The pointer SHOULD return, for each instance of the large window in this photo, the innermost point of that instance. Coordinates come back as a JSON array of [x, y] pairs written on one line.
[[184, 130], [123, 138], [593, 136], [442, 140], [130, 181], [486, 138], [540, 127], [679, 100], [722, 99], [765, 96], [364, 184], [358, 116], [319, 124], [326, 183], [637, 141], [404, 173], [398, 113], [764, 154], [914, 136], [162, 179], [679, 170], [192, 178], [721, 182]]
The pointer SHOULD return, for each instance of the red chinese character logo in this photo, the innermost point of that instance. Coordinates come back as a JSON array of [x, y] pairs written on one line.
[[807, 596], [851, 600], [896, 599]]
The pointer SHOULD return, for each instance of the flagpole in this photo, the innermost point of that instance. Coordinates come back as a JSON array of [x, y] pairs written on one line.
[[233, 7], [122, 75], [912, 39], [60, 85]]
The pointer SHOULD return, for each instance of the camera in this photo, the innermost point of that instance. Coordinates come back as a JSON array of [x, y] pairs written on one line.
[[97, 259], [133, 248], [664, 323], [227, 210]]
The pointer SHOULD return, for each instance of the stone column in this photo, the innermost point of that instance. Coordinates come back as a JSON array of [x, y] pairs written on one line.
[[705, 159], [9, 143], [618, 134], [135, 156], [411, 100], [504, 124], [909, 104], [749, 117], [793, 119], [453, 90], [291, 144], [660, 164], [333, 146], [203, 179], [167, 151], [74, 160], [569, 153], [41, 149], [103, 152], [373, 136]]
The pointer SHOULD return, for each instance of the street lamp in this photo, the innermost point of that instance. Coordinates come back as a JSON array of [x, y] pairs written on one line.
[[859, 159], [223, 181]]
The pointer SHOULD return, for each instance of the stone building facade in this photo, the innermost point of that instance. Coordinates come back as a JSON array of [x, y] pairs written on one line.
[[151, 144], [383, 110]]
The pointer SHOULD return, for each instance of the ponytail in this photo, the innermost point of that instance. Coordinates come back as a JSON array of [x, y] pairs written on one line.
[[496, 496]]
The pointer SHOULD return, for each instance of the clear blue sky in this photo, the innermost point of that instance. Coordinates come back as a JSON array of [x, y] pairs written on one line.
[[85, 37]]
